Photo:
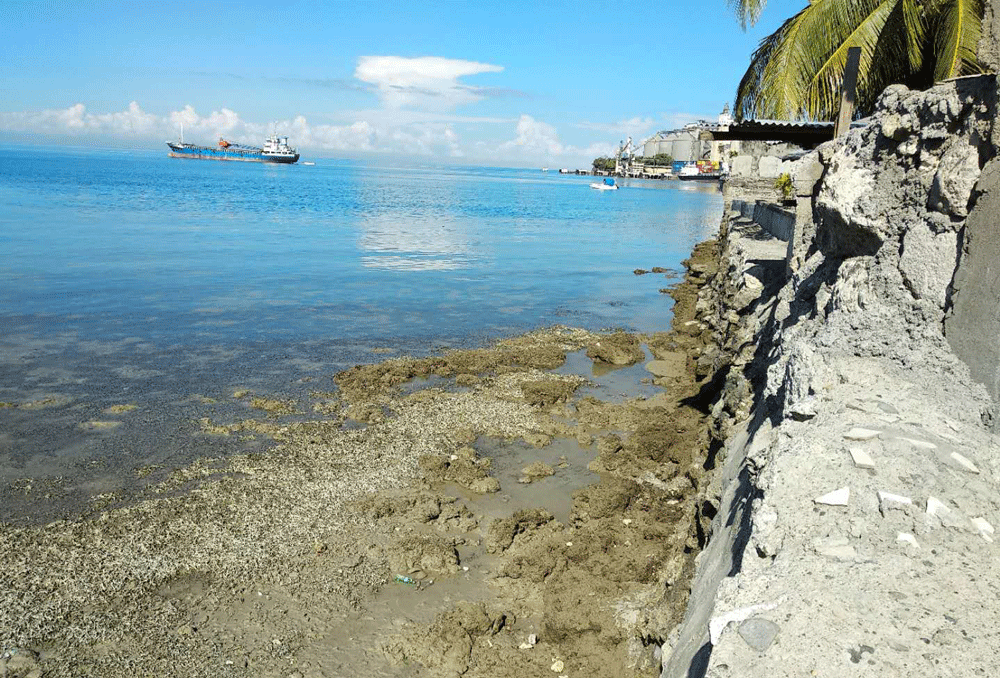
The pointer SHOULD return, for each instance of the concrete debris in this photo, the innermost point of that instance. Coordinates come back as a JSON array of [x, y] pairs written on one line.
[[837, 548], [890, 498], [803, 410], [964, 463], [936, 507], [920, 444], [862, 434], [558, 665], [907, 538], [861, 458], [985, 529], [836, 498]]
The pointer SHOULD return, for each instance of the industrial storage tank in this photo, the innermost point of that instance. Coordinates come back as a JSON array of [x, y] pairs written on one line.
[[649, 148], [683, 148]]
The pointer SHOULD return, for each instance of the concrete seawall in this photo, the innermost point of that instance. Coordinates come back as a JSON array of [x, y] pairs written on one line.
[[775, 220], [857, 494]]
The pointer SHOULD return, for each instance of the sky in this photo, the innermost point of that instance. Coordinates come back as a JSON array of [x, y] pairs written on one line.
[[541, 83]]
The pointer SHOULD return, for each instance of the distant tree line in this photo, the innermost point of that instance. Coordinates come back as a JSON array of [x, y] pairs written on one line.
[[605, 164], [658, 160]]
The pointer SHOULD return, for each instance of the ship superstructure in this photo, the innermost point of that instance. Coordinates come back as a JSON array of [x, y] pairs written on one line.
[[276, 149]]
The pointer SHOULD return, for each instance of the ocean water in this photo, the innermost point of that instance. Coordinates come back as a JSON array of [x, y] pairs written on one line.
[[128, 277]]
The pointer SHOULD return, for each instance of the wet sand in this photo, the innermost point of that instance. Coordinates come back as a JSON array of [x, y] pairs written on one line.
[[524, 509]]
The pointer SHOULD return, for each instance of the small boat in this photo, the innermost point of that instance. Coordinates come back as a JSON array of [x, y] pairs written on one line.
[[309, 163], [606, 185], [545, 169]]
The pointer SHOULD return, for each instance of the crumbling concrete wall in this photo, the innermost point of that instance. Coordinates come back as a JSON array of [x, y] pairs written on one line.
[[841, 395], [973, 326]]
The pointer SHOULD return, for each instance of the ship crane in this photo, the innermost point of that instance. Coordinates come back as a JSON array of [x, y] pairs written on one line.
[[627, 151], [623, 160]]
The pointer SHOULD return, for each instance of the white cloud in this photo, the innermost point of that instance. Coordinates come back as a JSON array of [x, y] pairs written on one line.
[[410, 136], [389, 132], [422, 82], [538, 141], [623, 128], [678, 120]]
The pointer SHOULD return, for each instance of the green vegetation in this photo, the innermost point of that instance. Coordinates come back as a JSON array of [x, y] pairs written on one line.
[[785, 185], [658, 160], [797, 70], [604, 164]]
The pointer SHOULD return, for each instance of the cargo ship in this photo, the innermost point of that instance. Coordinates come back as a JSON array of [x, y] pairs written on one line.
[[276, 149], [703, 170]]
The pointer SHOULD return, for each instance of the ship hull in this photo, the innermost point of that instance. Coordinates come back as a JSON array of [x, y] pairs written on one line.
[[237, 155]]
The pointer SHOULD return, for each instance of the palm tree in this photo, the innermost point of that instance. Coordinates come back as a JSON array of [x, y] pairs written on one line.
[[796, 71]]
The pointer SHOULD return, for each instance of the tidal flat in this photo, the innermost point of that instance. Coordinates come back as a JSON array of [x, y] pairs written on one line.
[[478, 512]]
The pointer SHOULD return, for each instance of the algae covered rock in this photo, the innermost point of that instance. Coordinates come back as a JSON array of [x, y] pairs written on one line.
[[620, 348], [548, 392]]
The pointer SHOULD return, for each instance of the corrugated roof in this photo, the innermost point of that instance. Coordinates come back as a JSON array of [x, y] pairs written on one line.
[[793, 124]]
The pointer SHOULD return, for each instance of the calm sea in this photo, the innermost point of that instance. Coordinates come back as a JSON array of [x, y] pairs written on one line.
[[127, 277]]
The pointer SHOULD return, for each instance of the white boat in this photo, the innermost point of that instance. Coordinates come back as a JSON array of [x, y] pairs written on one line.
[[545, 169], [309, 163], [604, 187]]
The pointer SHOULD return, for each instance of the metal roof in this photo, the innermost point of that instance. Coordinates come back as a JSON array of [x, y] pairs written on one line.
[[801, 132]]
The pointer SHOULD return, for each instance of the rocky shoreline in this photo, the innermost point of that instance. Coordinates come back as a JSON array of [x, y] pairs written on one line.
[[485, 512]]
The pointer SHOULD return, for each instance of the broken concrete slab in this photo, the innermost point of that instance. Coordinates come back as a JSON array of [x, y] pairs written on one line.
[[936, 507], [919, 444], [890, 498], [861, 458], [986, 530], [836, 498], [907, 538], [858, 433], [964, 463]]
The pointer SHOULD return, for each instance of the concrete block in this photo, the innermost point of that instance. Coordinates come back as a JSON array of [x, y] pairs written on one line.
[[858, 433], [861, 458], [964, 463], [908, 538], [836, 498], [741, 166], [769, 167]]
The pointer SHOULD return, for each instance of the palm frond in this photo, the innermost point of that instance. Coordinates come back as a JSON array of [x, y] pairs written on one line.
[[747, 11], [860, 24], [797, 70], [959, 25]]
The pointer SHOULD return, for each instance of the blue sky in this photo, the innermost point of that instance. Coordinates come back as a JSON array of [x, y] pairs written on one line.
[[541, 83]]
